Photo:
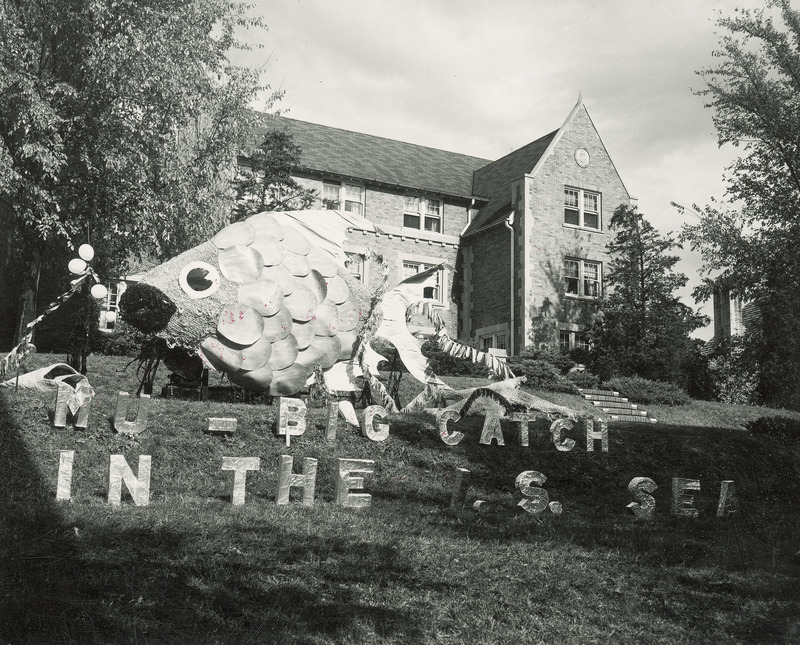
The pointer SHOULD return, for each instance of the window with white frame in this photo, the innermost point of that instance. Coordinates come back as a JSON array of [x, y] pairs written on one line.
[[355, 265], [569, 340], [582, 278], [334, 194], [434, 292], [582, 208], [422, 213], [494, 343]]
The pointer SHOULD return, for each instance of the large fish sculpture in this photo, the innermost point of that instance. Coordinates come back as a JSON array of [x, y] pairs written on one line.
[[268, 299]]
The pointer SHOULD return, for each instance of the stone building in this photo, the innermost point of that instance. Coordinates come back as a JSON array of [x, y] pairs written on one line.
[[521, 239]]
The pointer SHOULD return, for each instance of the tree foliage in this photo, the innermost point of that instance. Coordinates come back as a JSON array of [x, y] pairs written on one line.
[[119, 123], [643, 328], [264, 182], [754, 93]]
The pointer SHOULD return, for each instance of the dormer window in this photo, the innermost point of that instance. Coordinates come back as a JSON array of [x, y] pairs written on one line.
[[422, 213], [581, 208]]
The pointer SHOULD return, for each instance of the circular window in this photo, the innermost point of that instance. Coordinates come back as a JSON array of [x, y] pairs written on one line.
[[199, 279]]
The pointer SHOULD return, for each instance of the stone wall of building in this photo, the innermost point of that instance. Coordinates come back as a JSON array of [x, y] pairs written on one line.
[[549, 241]]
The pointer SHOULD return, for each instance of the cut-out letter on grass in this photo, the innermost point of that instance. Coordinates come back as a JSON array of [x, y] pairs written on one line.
[[347, 482], [121, 424], [64, 487], [287, 479], [644, 504], [77, 402], [683, 496], [592, 434], [120, 472], [492, 430], [291, 418], [521, 420], [239, 466], [728, 502], [561, 444], [442, 417], [375, 426], [536, 499]]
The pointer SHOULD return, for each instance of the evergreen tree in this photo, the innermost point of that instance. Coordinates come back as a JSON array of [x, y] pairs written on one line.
[[643, 328]]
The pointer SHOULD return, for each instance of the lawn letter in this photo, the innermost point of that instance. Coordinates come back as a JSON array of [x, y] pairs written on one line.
[[683, 496], [286, 479], [239, 466], [442, 417], [121, 424], [291, 418], [460, 491], [373, 428], [78, 401], [492, 430], [564, 445], [645, 504], [521, 419], [139, 487], [536, 499], [221, 425], [64, 489], [728, 502], [332, 409], [592, 434], [346, 482]]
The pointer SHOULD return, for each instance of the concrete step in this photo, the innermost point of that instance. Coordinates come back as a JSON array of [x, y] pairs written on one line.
[[598, 392], [615, 404], [623, 412], [603, 397], [632, 419]]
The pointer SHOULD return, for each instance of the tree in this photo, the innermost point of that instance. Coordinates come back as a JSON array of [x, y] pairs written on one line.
[[755, 95], [120, 121], [264, 181], [643, 328]]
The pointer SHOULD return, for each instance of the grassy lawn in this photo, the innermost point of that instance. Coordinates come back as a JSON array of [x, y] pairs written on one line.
[[192, 568]]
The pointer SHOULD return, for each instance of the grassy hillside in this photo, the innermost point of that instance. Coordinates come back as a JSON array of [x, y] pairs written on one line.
[[191, 568]]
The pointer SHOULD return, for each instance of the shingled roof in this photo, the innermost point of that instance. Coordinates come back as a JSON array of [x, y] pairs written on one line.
[[387, 161], [495, 180]]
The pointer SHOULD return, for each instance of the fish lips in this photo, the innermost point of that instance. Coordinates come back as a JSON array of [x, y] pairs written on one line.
[[147, 308]]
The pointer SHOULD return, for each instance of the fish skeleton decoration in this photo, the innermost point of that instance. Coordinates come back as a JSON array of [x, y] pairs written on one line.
[[269, 298]]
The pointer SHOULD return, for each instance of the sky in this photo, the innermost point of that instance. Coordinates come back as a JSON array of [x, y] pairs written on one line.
[[484, 78]]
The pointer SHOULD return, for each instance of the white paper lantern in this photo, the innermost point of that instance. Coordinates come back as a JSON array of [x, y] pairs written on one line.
[[86, 252], [99, 291], [111, 316], [76, 266]]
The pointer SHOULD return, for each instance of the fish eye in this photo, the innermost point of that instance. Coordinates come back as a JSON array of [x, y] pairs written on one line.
[[199, 279]]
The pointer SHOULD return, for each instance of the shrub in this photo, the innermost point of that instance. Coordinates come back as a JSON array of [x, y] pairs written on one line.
[[584, 380], [783, 429], [123, 341], [541, 374], [642, 390]]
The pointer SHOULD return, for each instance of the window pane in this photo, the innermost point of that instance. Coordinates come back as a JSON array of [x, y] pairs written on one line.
[[330, 195], [410, 221], [571, 268], [355, 265], [570, 217], [410, 204], [353, 193], [501, 341], [563, 341], [486, 343], [409, 269], [433, 207], [591, 270], [432, 224], [591, 220], [590, 202], [354, 207], [582, 342], [571, 198]]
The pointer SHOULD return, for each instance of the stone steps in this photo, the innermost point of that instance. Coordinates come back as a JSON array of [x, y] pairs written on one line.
[[616, 407]]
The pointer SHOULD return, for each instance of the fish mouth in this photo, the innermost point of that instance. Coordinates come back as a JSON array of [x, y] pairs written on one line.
[[146, 308]]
